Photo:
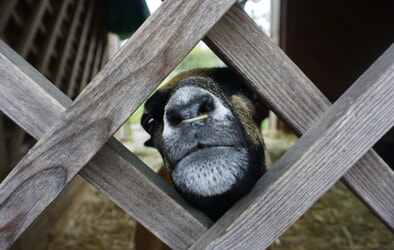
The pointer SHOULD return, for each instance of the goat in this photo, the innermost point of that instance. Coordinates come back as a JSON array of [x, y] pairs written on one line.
[[206, 125]]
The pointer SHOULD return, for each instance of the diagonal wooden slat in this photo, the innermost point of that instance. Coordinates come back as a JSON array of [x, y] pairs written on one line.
[[243, 46], [117, 91], [363, 114], [35, 104], [104, 178]]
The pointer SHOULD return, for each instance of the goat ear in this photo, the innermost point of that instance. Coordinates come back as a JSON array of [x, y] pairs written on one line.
[[149, 143]]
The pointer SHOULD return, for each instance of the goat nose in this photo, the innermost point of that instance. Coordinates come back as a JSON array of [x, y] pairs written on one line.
[[195, 109]]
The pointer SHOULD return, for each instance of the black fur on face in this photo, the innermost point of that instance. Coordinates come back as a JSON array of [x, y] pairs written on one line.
[[205, 123]]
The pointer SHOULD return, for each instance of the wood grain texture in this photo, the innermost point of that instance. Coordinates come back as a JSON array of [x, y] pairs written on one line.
[[105, 181], [105, 104], [293, 97], [321, 156], [54, 217], [35, 104]]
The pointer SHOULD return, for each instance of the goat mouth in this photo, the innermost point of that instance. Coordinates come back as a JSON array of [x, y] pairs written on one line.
[[201, 152], [210, 171]]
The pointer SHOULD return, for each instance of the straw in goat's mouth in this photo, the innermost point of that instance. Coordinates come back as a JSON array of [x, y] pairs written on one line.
[[200, 117]]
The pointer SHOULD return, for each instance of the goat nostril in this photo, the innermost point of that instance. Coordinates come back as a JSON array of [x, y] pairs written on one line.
[[194, 110], [174, 117], [207, 105]]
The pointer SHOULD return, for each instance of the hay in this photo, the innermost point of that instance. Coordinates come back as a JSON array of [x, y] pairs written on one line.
[[97, 225], [338, 220]]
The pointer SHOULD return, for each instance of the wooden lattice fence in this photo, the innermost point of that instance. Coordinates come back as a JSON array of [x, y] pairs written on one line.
[[75, 138], [65, 40]]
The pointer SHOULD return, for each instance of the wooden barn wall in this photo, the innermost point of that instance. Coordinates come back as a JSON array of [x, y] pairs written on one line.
[[335, 41], [64, 40]]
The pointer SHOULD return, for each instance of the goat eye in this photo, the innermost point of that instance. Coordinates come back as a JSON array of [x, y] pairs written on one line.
[[148, 123]]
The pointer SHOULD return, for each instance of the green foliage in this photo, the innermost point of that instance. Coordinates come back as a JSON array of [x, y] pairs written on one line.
[[136, 117], [200, 57]]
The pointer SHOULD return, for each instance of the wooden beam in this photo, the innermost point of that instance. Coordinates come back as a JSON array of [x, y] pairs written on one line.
[[242, 45], [38, 235], [23, 47], [113, 95], [114, 170], [321, 156]]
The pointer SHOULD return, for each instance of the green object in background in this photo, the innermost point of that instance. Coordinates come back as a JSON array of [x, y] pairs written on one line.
[[125, 16]]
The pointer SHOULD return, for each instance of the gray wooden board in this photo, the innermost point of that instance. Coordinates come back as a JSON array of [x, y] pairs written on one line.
[[293, 97], [235, 47], [322, 155], [113, 95], [35, 104]]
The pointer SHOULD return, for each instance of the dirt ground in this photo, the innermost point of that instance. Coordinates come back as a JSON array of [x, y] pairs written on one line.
[[338, 220]]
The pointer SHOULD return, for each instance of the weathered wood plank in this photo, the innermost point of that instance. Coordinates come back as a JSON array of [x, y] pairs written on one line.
[[39, 234], [322, 155], [116, 92], [35, 104], [294, 98]]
